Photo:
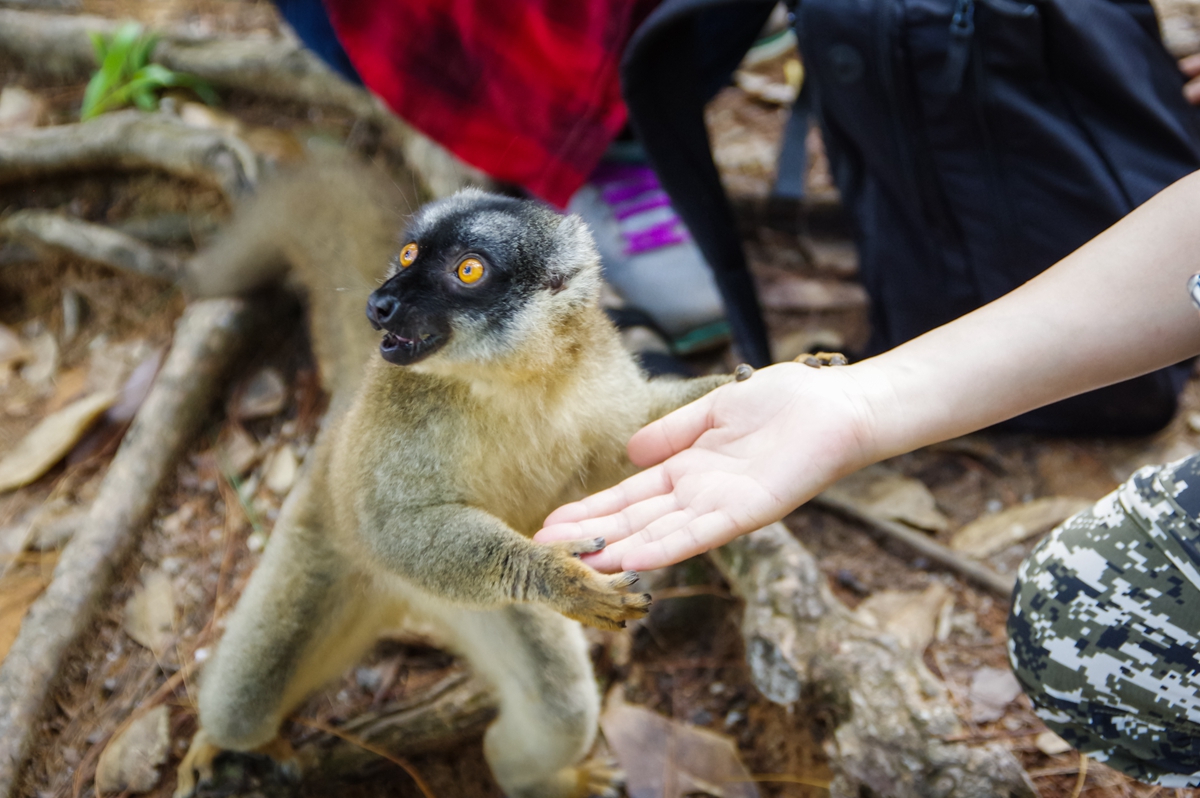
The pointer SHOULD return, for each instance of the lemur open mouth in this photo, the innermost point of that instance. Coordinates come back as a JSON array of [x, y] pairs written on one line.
[[403, 351]]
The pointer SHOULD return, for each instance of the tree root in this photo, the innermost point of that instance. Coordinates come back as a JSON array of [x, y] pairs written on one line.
[[130, 140], [886, 712], [457, 707], [58, 45], [209, 336], [94, 242]]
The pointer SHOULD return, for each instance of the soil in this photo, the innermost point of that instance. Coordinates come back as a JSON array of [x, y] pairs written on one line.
[[685, 661]]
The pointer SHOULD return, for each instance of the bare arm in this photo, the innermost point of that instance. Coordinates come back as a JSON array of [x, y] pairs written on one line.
[[749, 453]]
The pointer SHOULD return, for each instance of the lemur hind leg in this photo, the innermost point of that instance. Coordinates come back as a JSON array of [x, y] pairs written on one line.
[[537, 661], [305, 617]]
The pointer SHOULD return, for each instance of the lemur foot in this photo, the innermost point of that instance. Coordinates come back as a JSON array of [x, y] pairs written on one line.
[[593, 598], [599, 778], [198, 761], [818, 359], [197, 765]]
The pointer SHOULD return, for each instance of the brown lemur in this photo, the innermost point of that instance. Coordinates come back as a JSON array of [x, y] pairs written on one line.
[[500, 392]]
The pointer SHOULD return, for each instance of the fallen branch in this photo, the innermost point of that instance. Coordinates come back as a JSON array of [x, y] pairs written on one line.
[[269, 67], [924, 545], [94, 242], [457, 707], [209, 336], [130, 140], [886, 712]]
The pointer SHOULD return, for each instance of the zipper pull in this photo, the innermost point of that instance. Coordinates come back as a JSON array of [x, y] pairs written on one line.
[[958, 50]]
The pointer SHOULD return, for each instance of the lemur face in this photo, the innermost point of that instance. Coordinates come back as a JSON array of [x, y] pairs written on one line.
[[467, 271]]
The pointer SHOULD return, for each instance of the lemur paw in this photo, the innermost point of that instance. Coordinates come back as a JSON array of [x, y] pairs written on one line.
[[599, 778], [818, 359], [598, 599]]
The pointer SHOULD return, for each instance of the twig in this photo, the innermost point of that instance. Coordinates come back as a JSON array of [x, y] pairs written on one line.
[[1082, 775], [89, 241], [395, 760], [921, 543], [208, 337]]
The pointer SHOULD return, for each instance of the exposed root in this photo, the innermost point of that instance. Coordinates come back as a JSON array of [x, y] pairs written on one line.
[[94, 242]]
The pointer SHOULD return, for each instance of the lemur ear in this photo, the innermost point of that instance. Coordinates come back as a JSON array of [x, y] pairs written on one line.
[[573, 252]]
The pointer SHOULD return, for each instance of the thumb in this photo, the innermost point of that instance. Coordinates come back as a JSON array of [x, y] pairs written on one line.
[[672, 433]]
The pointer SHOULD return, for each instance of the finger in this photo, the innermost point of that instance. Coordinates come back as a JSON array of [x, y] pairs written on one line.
[[616, 527], [698, 536], [672, 433], [610, 560], [1191, 91], [1190, 65], [639, 487]]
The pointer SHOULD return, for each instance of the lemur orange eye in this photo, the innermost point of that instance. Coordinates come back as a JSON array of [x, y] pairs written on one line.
[[470, 270], [408, 255]]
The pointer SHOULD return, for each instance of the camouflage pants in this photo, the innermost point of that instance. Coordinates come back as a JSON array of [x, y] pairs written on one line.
[[1105, 627]]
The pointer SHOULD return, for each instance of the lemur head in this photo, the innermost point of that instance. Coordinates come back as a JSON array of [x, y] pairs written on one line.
[[477, 274]]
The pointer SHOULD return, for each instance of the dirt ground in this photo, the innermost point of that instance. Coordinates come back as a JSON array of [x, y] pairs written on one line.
[[686, 661]]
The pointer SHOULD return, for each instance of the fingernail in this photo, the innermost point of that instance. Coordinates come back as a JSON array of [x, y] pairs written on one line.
[[1194, 289]]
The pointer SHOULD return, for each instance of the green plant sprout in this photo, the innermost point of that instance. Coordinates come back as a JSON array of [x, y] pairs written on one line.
[[126, 76]]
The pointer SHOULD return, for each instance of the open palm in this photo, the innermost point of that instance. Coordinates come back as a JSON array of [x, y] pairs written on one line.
[[735, 460]]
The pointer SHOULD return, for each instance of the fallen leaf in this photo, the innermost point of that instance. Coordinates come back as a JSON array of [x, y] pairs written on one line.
[[663, 758], [68, 387], [20, 109], [150, 613], [136, 388], [129, 763], [239, 451], [52, 438], [1051, 744], [911, 616], [885, 493], [281, 471], [12, 349], [18, 591], [263, 396], [42, 366], [992, 533], [992, 690]]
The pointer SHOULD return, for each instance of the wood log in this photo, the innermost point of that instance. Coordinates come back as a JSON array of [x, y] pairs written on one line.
[[886, 713], [278, 68], [94, 242], [208, 338]]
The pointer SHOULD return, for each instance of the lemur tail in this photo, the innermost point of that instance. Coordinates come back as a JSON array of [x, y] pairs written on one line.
[[333, 226]]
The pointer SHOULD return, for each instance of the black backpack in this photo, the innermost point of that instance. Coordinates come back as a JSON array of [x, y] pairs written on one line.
[[974, 143]]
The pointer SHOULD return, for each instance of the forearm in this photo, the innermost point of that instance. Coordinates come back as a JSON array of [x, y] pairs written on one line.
[[1114, 309]]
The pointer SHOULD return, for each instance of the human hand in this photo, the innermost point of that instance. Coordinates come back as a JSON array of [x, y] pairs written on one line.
[[1190, 66], [733, 461]]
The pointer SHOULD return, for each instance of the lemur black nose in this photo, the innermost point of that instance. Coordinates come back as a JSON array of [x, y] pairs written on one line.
[[381, 309]]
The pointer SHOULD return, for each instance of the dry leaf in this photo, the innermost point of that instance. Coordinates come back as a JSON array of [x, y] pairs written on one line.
[[150, 613], [18, 591], [46, 443], [263, 396], [992, 690], [663, 758], [20, 109], [1051, 744], [910, 616], [239, 451], [885, 493], [136, 388], [130, 760], [69, 386], [281, 471], [42, 366], [12, 349], [992, 533]]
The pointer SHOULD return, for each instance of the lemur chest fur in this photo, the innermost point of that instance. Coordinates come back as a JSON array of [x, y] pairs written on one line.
[[517, 454]]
